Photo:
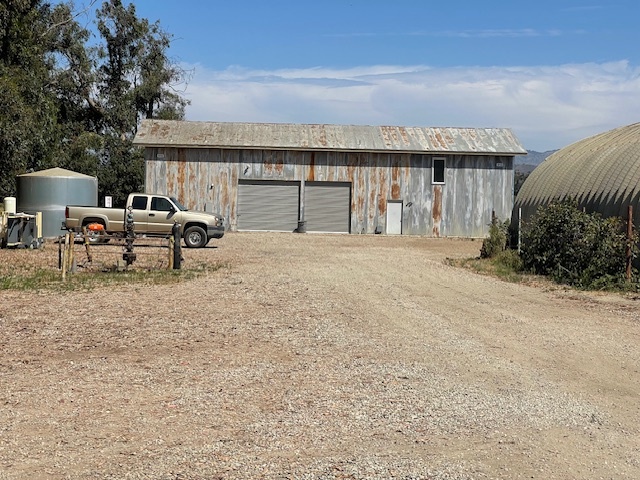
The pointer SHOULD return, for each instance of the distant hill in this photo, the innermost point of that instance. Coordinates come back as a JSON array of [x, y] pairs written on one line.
[[525, 164]]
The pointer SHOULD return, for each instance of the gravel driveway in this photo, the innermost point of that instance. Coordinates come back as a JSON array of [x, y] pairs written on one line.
[[319, 357]]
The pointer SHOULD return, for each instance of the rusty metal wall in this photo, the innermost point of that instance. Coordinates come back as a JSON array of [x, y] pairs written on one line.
[[474, 185]]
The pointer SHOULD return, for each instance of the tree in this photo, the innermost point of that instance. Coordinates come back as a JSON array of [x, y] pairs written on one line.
[[519, 179], [69, 103], [27, 110], [134, 80]]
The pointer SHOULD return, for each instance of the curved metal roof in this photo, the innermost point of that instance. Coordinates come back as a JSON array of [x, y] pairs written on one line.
[[601, 172], [364, 138]]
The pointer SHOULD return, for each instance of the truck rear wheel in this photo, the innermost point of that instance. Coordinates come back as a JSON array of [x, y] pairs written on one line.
[[195, 237]]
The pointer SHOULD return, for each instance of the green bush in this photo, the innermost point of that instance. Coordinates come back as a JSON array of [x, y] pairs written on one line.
[[510, 260], [496, 242], [576, 248]]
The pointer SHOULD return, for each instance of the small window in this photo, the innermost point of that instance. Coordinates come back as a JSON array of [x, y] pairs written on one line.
[[437, 170], [160, 204], [139, 203]]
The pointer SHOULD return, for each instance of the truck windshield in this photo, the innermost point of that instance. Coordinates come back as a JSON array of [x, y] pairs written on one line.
[[178, 204]]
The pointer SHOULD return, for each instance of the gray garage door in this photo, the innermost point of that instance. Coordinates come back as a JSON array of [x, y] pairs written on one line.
[[327, 207], [268, 205]]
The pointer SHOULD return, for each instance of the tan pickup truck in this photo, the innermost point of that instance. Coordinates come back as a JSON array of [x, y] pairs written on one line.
[[153, 215]]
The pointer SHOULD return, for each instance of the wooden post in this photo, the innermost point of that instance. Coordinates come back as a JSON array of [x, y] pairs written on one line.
[[171, 242], [519, 230], [72, 253], [65, 257], [85, 235], [177, 251], [629, 240], [60, 253]]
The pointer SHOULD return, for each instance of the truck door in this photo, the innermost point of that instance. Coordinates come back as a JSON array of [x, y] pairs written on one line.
[[139, 205], [161, 215]]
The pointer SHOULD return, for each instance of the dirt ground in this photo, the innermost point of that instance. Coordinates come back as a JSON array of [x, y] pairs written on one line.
[[318, 357]]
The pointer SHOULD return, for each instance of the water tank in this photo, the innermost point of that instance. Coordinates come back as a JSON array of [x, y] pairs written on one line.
[[10, 204], [50, 191]]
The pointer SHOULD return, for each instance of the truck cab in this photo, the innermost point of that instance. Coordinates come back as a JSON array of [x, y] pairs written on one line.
[[153, 215], [156, 214]]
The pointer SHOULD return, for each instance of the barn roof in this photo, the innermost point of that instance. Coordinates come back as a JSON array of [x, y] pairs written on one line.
[[350, 138]]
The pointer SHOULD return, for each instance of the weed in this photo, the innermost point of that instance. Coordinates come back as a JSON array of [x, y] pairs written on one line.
[[46, 279]]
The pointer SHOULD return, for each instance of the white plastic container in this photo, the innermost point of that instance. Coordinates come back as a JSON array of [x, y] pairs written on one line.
[[10, 205]]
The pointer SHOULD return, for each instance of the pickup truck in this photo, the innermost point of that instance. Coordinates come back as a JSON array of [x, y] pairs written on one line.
[[153, 215]]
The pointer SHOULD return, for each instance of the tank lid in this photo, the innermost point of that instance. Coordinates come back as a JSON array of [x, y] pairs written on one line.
[[56, 172]]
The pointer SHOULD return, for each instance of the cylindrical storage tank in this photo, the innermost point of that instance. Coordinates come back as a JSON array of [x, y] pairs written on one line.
[[9, 204], [50, 191]]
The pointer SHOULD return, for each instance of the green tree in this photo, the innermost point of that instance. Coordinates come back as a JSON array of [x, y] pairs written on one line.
[[27, 109], [134, 80], [519, 179], [74, 104], [72, 79]]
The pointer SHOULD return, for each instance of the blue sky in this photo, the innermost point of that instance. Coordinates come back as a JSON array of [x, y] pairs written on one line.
[[553, 71]]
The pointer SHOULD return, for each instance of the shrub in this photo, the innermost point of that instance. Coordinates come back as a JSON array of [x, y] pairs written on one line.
[[496, 242], [510, 259], [574, 247]]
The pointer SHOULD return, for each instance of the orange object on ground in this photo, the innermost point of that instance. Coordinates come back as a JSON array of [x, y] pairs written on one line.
[[96, 227]]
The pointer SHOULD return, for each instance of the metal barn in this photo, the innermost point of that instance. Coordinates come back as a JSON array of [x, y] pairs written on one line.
[[335, 178]]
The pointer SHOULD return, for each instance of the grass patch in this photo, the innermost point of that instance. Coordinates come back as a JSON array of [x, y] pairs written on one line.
[[506, 266], [51, 280]]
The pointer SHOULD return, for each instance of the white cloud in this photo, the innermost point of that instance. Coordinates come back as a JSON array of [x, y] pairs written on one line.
[[547, 107]]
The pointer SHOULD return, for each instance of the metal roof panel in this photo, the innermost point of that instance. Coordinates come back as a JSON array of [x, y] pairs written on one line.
[[286, 136]]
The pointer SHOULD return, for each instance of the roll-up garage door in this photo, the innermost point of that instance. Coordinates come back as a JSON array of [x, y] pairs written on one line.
[[268, 205], [327, 207]]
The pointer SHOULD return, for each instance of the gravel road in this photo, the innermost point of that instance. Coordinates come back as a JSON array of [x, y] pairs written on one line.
[[319, 357]]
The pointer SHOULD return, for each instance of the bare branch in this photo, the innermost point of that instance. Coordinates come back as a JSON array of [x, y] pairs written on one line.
[[70, 19]]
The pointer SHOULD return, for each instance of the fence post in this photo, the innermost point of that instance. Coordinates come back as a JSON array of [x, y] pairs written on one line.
[[72, 253], [519, 230], [65, 257], [177, 250], [85, 235], [629, 240], [171, 242]]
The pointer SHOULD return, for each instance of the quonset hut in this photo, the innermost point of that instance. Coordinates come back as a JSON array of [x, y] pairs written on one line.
[[602, 173], [335, 178]]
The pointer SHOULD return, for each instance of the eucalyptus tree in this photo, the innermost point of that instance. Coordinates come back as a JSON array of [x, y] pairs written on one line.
[[27, 109], [73, 95], [134, 79]]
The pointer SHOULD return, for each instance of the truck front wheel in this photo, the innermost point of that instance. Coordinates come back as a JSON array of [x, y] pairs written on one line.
[[195, 237]]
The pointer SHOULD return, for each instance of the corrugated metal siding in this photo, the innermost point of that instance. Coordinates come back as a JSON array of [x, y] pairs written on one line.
[[601, 172], [474, 185], [365, 138]]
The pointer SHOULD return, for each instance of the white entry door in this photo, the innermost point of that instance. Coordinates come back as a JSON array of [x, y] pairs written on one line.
[[394, 217]]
